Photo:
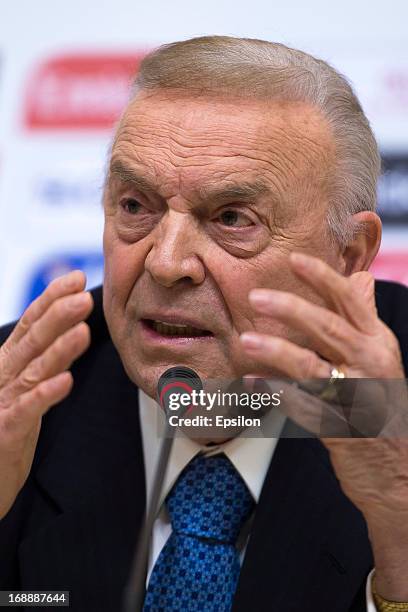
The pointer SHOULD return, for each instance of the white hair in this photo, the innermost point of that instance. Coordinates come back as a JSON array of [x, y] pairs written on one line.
[[251, 68]]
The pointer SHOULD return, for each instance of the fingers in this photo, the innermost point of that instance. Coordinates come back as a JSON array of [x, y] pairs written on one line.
[[364, 284], [332, 336], [60, 316], [57, 358], [29, 407], [64, 285], [33, 377], [336, 290], [273, 352]]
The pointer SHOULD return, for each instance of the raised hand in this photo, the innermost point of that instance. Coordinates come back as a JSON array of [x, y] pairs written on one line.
[[346, 332], [34, 374]]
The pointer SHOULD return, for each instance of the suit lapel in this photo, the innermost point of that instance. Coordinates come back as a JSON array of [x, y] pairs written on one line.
[[308, 548], [92, 478]]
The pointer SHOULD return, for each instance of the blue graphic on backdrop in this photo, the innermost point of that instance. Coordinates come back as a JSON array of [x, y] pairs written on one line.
[[68, 192], [42, 275]]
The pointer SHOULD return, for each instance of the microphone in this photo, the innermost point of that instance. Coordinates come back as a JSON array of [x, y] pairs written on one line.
[[178, 379]]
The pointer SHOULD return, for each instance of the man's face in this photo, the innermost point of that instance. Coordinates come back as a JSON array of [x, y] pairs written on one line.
[[205, 201]]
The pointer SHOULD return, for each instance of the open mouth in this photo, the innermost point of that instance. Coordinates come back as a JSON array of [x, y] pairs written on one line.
[[173, 330]]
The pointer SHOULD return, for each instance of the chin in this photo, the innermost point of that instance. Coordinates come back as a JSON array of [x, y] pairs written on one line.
[[145, 377]]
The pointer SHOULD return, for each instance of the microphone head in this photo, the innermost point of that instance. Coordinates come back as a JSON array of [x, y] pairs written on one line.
[[178, 379]]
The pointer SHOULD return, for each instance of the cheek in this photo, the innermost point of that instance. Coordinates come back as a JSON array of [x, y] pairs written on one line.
[[123, 264], [239, 278]]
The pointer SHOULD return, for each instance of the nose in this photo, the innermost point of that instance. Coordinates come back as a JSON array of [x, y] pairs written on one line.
[[174, 255]]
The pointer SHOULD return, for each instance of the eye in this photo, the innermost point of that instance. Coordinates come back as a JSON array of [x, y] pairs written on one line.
[[131, 206], [233, 218]]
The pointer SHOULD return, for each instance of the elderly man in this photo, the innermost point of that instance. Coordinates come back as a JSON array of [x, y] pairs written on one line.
[[239, 223]]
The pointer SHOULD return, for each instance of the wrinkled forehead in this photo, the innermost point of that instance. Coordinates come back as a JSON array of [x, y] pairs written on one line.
[[164, 130]]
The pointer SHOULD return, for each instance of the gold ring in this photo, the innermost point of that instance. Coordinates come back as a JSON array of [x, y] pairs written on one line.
[[336, 373], [330, 392]]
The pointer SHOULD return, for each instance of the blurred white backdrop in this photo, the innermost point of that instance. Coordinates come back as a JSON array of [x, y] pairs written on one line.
[[64, 72]]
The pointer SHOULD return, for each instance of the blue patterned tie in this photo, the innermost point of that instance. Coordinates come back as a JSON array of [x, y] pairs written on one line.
[[198, 568]]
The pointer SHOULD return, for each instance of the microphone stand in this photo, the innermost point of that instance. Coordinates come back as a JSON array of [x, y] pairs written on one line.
[[135, 589], [134, 594]]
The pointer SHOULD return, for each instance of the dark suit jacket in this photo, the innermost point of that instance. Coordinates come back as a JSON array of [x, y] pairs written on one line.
[[75, 523]]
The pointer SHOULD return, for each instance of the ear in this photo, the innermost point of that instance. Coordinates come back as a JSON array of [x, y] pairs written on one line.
[[360, 252]]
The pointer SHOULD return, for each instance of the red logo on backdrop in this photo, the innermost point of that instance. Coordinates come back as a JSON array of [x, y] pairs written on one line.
[[391, 265], [80, 91]]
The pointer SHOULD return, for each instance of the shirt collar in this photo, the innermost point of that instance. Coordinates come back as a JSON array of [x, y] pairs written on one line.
[[251, 456]]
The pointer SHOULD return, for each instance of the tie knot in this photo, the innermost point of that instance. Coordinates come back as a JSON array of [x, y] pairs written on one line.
[[210, 500]]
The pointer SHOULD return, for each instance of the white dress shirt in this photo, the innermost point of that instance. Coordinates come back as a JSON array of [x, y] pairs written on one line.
[[250, 455]]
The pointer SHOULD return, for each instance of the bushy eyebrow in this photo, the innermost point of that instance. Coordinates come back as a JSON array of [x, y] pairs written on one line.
[[128, 175], [234, 191], [229, 192]]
